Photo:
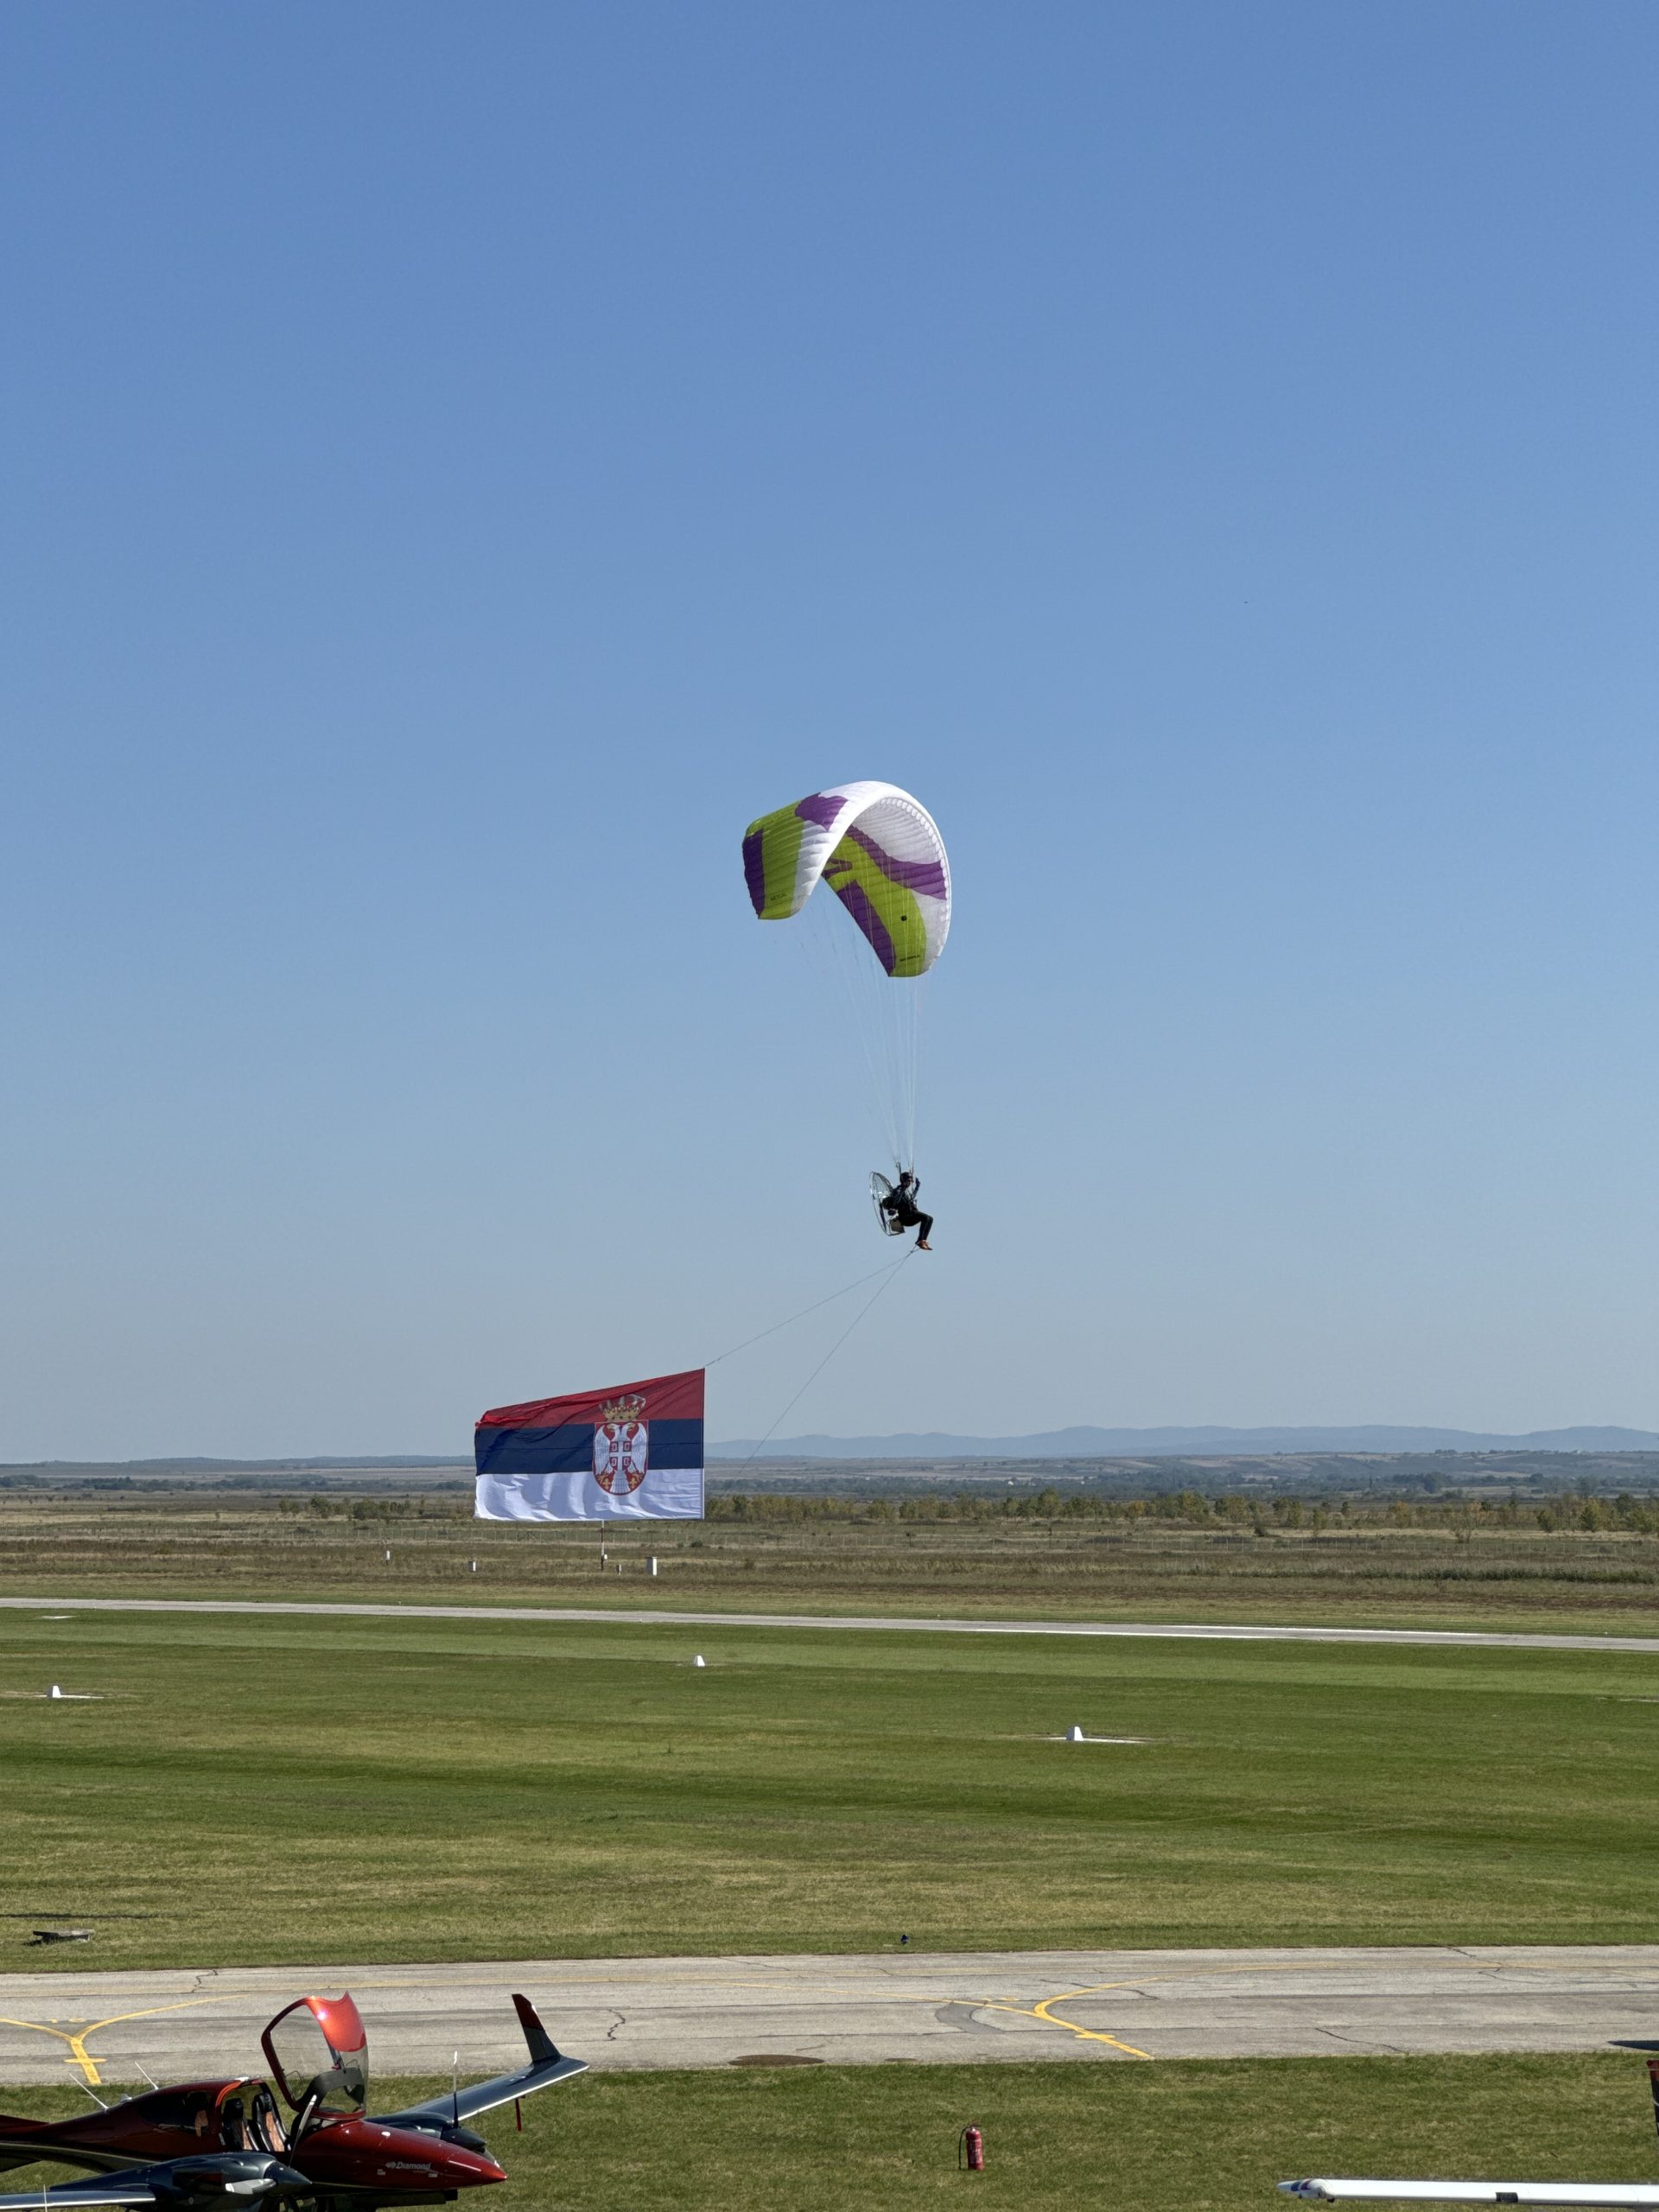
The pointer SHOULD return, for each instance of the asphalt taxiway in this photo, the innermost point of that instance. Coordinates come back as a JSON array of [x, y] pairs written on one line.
[[1124, 2006]]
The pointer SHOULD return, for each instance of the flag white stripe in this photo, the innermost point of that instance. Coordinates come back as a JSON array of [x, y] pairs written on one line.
[[667, 1494]]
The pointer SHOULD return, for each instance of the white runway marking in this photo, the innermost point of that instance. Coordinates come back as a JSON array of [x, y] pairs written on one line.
[[1477, 1639]]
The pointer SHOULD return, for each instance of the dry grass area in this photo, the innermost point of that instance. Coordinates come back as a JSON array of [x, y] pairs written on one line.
[[189, 1543]]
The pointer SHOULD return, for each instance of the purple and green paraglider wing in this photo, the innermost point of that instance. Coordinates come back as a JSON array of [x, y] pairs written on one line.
[[881, 852]]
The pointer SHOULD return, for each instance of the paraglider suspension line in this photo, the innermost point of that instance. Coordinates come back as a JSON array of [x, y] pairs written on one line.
[[817, 1306], [887, 1274]]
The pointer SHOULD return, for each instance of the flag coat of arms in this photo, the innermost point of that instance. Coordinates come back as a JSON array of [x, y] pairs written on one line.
[[631, 1453]]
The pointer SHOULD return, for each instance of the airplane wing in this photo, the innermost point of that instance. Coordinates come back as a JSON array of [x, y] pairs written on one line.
[[18, 2151], [1609, 2196], [547, 2064], [74, 2195]]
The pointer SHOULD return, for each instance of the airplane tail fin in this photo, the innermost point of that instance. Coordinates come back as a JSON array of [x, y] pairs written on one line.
[[544, 2050], [547, 2064]]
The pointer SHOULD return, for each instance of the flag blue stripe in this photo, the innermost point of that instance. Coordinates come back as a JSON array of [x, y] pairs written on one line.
[[569, 1448]]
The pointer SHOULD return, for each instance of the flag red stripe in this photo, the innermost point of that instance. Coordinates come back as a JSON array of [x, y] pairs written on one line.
[[668, 1397]]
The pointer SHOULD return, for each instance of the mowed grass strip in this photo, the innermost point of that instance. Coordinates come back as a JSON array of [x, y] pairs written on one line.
[[1369, 1572], [1182, 2136], [256, 1791]]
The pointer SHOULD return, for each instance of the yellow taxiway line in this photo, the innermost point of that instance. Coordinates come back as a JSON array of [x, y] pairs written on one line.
[[79, 2054]]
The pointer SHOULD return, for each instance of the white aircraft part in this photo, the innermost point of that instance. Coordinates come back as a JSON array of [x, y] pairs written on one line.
[[1613, 2196]]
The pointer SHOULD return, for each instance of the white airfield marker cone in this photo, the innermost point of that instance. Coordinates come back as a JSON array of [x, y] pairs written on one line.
[[1074, 1735], [699, 1661], [56, 1691]]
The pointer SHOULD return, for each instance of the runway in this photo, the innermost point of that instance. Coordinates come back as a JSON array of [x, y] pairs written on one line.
[[1123, 2007], [1478, 1639]]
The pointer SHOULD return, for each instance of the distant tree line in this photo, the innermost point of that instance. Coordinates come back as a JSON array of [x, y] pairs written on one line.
[[425, 1508], [1573, 1510]]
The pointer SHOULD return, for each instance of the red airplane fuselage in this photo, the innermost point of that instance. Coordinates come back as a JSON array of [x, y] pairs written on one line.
[[346, 2155], [396, 2165]]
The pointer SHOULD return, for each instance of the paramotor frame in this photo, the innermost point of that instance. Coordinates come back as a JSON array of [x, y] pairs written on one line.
[[881, 1191]]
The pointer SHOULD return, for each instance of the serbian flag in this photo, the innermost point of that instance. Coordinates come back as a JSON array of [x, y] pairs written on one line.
[[634, 1452]]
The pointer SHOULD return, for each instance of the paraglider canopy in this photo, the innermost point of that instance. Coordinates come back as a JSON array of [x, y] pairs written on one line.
[[877, 849]]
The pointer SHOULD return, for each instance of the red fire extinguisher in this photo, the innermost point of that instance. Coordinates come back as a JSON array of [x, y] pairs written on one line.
[[970, 2151]]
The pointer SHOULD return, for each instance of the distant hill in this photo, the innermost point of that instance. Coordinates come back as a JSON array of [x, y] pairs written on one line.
[[415, 1471], [1188, 1443]]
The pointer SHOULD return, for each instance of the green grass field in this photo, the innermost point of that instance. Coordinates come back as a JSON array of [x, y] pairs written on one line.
[[265, 1790], [196, 1544], [1184, 2137]]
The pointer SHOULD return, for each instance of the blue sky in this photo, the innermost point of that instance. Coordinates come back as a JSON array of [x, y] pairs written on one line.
[[461, 464]]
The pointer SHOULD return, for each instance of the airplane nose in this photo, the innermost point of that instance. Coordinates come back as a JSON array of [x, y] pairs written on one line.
[[478, 2167]]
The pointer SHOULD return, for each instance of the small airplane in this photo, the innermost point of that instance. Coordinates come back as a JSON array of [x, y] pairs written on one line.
[[1569, 2196], [206, 2144]]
